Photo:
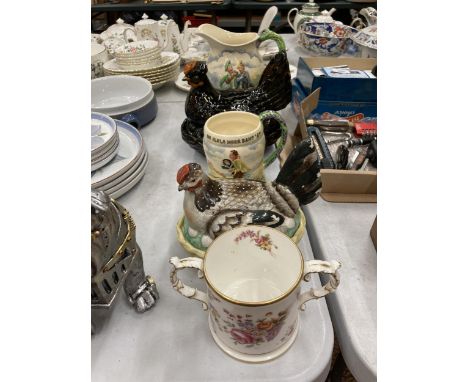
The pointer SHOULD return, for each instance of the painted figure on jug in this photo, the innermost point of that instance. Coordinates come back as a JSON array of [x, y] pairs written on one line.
[[228, 80], [233, 71], [235, 164], [243, 78]]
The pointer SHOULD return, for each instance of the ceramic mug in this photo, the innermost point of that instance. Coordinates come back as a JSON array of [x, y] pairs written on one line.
[[98, 58], [253, 276], [234, 144]]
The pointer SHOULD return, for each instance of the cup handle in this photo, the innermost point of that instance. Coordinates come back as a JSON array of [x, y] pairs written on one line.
[[319, 266], [289, 20], [279, 144], [179, 286], [270, 35]]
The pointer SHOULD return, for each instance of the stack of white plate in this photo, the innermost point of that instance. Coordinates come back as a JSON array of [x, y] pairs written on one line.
[[159, 73], [104, 140], [127, 167]]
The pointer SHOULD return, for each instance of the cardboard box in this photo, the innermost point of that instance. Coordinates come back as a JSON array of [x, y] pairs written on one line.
[[343, 186], [373, 233], [351, 98]]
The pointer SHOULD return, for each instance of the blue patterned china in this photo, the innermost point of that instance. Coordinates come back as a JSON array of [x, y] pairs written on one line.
[[327, 39], [366, 38]]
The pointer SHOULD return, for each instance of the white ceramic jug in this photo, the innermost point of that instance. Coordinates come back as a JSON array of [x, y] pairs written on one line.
[[234, 61]]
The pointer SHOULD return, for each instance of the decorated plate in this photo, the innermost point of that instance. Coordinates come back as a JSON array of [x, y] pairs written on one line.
[[103, 129], [168, 59], [130, 146]]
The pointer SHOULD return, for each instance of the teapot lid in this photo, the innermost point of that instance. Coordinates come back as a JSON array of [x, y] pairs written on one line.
[[120, 24], [145, 20], [310, 7]]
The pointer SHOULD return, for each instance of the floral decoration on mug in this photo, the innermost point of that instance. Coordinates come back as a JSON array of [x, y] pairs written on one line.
[[262, 241], [245, 331]]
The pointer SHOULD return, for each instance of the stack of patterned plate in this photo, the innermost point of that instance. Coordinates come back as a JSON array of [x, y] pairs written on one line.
[[158, 74], [127, 167], [104, 140]]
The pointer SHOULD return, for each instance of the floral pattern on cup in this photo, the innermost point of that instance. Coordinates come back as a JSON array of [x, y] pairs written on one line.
[[97, 69], [262, 241], [245, 330]]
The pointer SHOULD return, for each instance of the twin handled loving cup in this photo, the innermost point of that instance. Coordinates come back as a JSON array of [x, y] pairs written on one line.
[[253, 277], [234, 144]]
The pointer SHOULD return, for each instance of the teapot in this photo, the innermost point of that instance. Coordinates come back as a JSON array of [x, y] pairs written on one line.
[[117, 31], [177, 42], [117, 35], [165, 31], [310, 12]]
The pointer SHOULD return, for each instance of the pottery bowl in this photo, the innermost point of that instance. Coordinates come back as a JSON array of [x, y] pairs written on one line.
[[119, 94], [327, 39], [127, 98]]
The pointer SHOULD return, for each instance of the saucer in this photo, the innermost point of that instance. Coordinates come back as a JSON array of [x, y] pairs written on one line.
[[182, 85]]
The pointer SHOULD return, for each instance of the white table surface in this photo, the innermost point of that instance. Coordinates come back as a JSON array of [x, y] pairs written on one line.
[[172, 342], [341, 231]]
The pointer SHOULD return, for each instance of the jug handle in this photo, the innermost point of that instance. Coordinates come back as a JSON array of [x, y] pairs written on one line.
[[179, 286], [319, 266], [289, 20], [270, 35], [281, 141]]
